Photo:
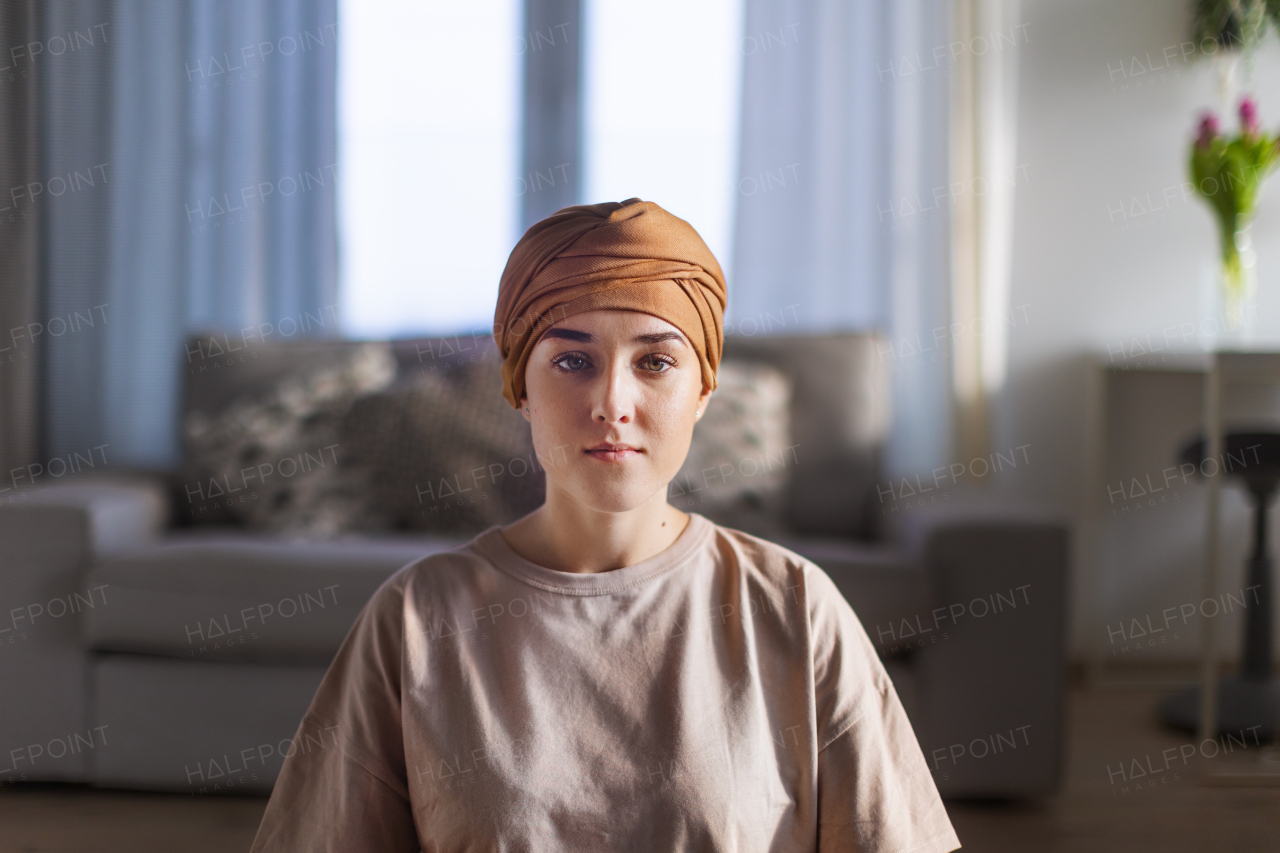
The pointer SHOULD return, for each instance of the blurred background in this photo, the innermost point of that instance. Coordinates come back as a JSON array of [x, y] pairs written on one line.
[[993, 269]]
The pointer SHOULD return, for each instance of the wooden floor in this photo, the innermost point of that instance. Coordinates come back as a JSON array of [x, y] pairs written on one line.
[[1090, 815], [1095, 812]]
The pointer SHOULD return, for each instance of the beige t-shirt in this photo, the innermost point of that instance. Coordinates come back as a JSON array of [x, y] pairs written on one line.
[[721, 695]]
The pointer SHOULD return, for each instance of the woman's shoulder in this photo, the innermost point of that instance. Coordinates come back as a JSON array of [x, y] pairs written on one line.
[[771, 562], [442, 563]]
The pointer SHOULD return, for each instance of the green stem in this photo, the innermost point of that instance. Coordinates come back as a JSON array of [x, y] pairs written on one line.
[[1232, 272]]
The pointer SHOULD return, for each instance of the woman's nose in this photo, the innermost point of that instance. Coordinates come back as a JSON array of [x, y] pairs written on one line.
[[614, 400]]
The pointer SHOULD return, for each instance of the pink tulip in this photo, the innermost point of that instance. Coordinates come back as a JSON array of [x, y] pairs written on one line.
[[1208, 130], [1248, 116]]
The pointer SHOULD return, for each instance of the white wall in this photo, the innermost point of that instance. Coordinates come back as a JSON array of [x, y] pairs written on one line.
[[1096, 138]]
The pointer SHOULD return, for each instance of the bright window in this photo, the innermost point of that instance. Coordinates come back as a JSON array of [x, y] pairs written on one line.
[[428, 123]]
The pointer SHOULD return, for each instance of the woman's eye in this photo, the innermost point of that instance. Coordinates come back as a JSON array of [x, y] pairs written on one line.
[[657, 363], [571, 362]]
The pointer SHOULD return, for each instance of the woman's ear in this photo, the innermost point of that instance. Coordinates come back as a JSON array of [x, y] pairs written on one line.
[[524, 407], [703, 399]]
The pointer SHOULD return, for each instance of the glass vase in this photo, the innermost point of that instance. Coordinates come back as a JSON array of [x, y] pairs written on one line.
[[1231, 309], [1239, 284]]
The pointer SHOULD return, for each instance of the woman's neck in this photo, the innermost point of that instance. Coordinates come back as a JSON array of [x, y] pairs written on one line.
[[567, 536]]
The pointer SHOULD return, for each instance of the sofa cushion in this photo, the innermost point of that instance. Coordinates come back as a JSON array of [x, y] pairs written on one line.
[[840, 398], [197, 728], [230, 596], [272, 459], [446, 452], [741, 455]]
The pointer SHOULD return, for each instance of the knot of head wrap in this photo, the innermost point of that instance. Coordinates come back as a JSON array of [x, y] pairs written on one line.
[[629, 255]]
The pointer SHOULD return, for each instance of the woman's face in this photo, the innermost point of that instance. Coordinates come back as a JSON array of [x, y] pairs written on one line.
[[612, 397]]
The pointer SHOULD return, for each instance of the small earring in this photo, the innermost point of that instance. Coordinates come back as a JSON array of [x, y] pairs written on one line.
[[526, 410], [697, 414]]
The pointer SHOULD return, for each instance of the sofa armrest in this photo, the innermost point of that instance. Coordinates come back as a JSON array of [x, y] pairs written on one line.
[[50, 535], [122, 511], [993, 691]]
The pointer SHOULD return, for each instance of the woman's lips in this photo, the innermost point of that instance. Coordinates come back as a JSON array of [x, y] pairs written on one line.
[[612, 454]]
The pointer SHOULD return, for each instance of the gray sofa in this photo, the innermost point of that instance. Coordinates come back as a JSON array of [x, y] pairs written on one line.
[[139, 654]]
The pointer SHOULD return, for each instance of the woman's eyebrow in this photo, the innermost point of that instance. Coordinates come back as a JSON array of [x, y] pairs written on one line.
[[571, 335], [659, 337], [588, 338]]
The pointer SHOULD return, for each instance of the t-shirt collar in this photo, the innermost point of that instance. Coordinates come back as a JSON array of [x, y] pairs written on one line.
[[492, 545]]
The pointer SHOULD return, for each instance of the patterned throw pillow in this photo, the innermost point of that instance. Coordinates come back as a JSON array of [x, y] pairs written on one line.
[[740, 460], [276, 463], [448, 454]]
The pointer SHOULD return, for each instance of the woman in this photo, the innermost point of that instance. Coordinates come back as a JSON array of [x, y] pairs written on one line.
[[608, 673]]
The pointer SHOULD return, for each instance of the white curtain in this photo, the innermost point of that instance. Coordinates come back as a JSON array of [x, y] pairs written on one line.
[[843, 210], [210, 128]]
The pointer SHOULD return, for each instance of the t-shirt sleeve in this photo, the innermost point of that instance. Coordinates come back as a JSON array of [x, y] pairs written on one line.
[[875, 792], [344, 786]]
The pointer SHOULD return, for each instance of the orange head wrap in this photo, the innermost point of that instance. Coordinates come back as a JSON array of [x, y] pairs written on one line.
[[632, 256]]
